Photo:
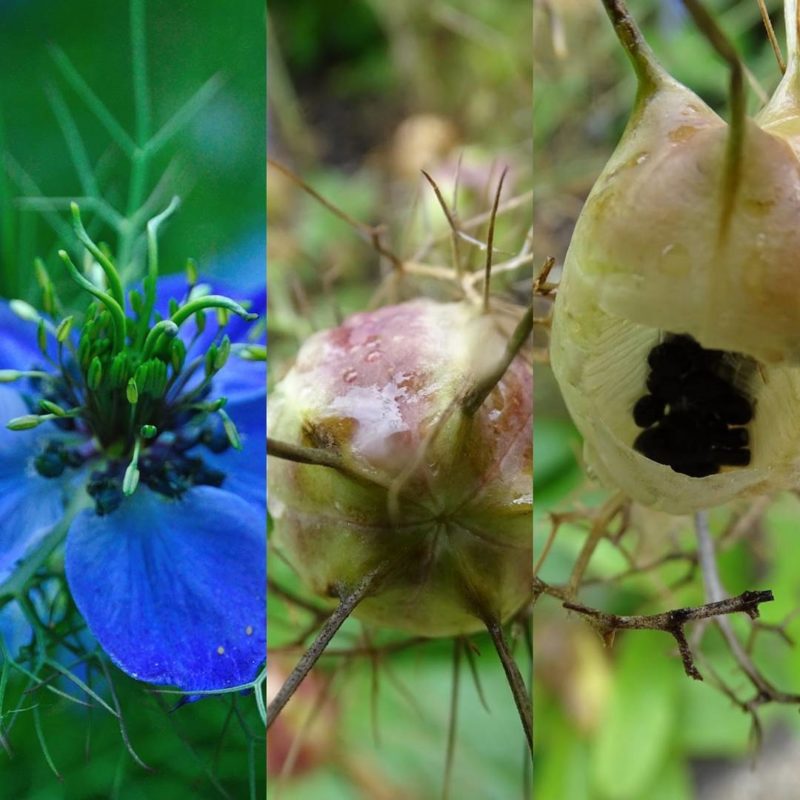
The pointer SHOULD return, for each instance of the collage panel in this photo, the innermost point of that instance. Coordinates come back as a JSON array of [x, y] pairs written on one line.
[[133, 399], [400, 400], [667, 386]]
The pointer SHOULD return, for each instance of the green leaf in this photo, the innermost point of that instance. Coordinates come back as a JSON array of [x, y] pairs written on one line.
[[641, 721]]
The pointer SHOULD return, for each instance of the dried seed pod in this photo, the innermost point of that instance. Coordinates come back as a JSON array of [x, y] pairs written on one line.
[[437, 498], [689, 235]]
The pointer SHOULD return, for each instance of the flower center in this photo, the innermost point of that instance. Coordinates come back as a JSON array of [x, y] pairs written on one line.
[[125, 394]]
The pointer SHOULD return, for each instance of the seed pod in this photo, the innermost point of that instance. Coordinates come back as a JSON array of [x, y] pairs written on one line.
[[689, 233], [436, 498]]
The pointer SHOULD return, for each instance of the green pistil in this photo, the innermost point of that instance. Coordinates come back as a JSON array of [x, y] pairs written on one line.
[[166, 329], [114, 308], [211, 301], [112, 276], [147, 304]]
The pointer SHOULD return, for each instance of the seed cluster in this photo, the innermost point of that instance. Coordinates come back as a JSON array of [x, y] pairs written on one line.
[[693, 417]]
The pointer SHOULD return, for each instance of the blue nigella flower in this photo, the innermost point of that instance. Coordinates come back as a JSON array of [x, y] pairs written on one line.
[[142, 434]]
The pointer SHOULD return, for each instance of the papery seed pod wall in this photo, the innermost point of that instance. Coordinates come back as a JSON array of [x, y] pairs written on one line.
[[690, 231]]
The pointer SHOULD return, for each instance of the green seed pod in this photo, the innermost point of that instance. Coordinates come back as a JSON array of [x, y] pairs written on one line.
[[689, 239], [434, 498]]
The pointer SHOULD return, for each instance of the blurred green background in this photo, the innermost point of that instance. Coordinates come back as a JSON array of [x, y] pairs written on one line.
[[216, 163], [625, 722], [217, 158], [362, 95]]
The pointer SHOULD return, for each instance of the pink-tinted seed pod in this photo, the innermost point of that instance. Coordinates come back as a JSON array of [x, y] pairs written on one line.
[[444, 506]]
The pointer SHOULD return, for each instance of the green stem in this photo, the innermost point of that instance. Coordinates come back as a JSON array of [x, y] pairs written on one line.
[[474, 398], [93, 102], [310, 657], [8, 250], [141, 90], [516, 682], [321, 458], [792, 17], [490, 242], [649, 72]]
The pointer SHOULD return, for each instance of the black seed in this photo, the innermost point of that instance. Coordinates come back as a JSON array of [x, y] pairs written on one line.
[[655, 444], [688, 435], [675, 356], [690, 408], [648, 410], [711, 359], [732, 457], [666, 387], [735, 410], [703, 388], [709, 423], [732, 437], [696, 469]]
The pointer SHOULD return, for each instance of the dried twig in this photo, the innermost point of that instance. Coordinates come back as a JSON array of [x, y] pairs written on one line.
[[673, 622]]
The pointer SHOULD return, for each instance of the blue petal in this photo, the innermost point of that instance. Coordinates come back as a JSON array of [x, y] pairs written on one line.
[[174, 590], [239, 379], [18, 348], [245, 470], [30, 505]]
